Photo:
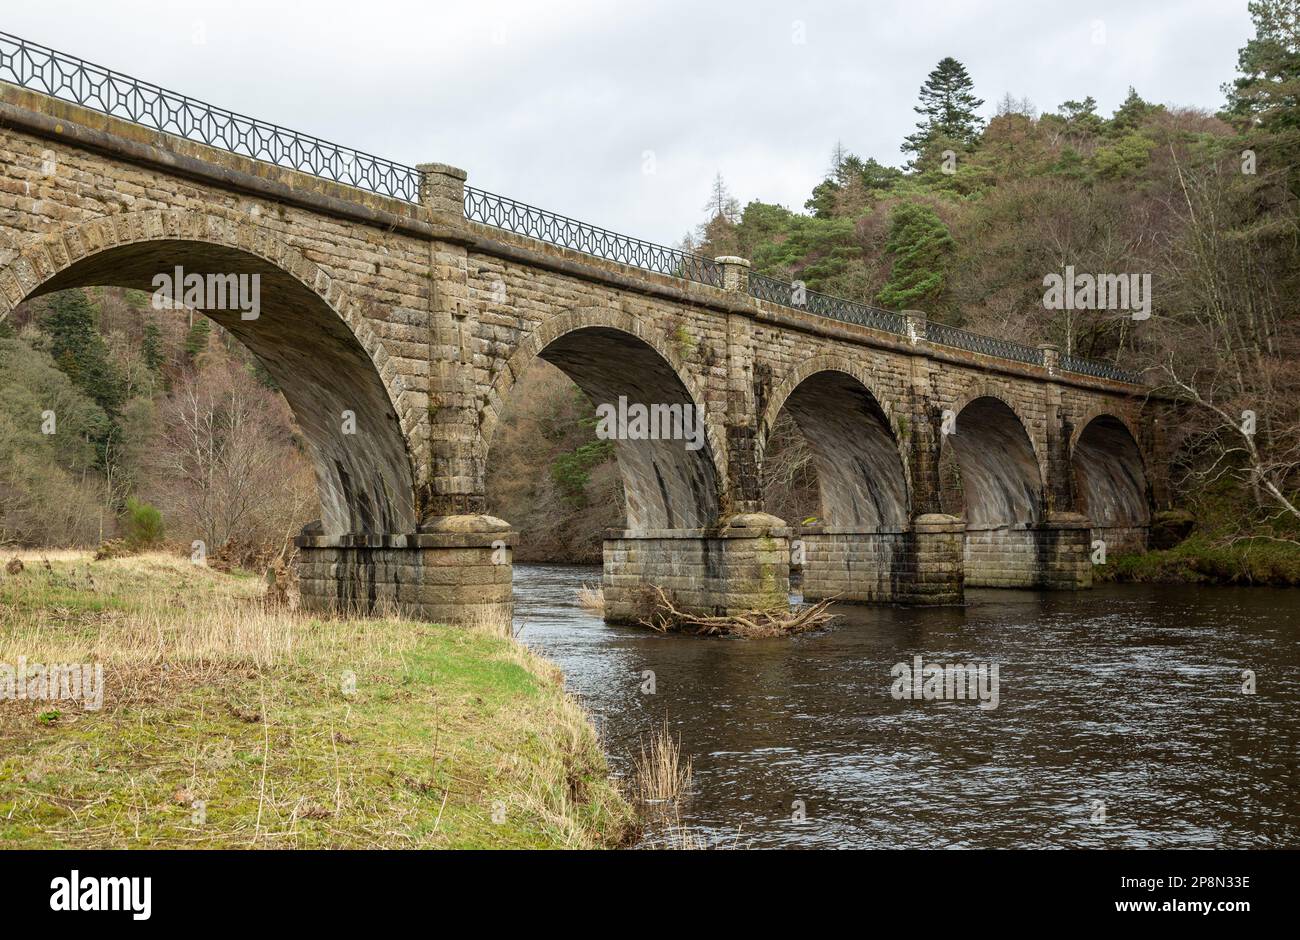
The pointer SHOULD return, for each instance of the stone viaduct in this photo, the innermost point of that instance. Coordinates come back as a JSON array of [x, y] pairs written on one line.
[[399, 308]]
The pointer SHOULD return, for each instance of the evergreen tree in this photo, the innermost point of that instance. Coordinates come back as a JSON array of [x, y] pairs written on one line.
[[922, 249], [1268, 90], [1081, 116], [947, 107], [196, 340], [151, 348], [1131, 113], [848, 170], [79, 351]]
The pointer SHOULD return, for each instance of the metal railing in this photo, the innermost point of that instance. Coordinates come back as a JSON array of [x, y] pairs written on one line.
[[946, 335], [523, 219], [68, 78], [1100, 370], [793, 295], [93, 86]]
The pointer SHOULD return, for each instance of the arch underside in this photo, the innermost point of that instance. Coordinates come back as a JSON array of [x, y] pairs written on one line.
[[859, 471], [858, 548], [668, 483], [364, 479], [1111, 485], [999, 476], [992, 481]]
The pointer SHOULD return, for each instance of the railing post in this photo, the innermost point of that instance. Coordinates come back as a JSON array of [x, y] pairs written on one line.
[[442, 187], [1051, 357], [735, 273], [915, 320]]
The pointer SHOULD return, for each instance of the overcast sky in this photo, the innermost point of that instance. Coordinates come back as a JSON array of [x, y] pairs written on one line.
[[620, 113]]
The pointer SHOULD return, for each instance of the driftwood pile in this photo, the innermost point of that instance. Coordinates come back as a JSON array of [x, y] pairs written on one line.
[[666, 618]]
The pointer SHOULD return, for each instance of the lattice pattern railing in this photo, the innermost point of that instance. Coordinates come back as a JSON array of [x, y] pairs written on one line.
[[93, 86], [523, 219], [1100, 370], [946, 335], [36, 67], [792, 295]]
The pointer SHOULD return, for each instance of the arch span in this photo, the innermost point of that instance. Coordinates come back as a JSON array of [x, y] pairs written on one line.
[[1000, 483], [671, 480], [861, 473], [1111, 487], [991, 477], [308, 333]]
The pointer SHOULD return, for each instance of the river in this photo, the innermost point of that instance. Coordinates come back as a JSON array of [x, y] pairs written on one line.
[[1121, 719]]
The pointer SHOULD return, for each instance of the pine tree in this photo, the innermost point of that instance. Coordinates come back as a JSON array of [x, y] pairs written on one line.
[[922, 250], [196, 340], [1081, 116], [79, 351], [947, 108], [1131, 113], [151, 348], [1268, 90]]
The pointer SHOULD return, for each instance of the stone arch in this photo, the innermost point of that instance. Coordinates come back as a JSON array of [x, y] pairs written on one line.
[[1100, 410], [609, 354], [861, 468], [1001, 470], [1111, 485], [310, 335]]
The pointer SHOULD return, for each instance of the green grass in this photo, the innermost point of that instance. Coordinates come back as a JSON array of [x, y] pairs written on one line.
[[1214, 552], [228, 725], [1200, 559]]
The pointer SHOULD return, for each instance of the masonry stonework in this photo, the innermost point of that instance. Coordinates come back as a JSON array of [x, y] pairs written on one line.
[[418, 324]]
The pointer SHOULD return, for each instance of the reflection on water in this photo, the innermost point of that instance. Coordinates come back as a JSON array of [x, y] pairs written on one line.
[[1130, 695]]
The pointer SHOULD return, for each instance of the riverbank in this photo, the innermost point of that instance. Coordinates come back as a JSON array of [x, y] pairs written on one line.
[[226, 723], [1199, 560]]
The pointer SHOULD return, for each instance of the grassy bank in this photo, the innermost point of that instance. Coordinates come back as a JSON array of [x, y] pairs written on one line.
[[226, 724], [1204, 560]]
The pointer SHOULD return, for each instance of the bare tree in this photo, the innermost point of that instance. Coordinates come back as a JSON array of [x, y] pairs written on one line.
[[1228, 352], [227, 465]]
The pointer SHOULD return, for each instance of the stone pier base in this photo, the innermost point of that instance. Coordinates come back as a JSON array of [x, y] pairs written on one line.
[[1123, 540], [743, 566], [1054, 555], [920, 565], [455, 570]]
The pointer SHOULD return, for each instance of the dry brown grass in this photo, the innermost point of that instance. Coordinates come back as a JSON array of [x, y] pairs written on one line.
[[591, 597], [215, 696], [662, 775]]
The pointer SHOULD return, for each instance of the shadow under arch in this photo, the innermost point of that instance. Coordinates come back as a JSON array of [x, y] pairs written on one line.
[[1111, 487], [365, 479], [861, 474], [671, 476], [1000, 481], [990, 477]]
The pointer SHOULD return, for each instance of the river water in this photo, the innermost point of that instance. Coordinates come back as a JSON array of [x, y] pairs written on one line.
[[1121, 718]]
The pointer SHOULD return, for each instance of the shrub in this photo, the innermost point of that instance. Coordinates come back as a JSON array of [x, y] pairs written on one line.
[[144, 525]]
